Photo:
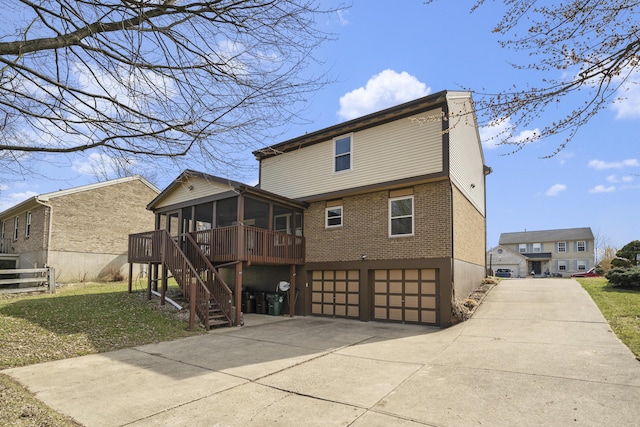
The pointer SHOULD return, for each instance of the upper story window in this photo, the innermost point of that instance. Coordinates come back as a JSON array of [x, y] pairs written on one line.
[[15, 228], [342, 152], [401, 216], [522, 248], [562, 246], [333, 217], [537, 247], [582, 246], [27, 231]]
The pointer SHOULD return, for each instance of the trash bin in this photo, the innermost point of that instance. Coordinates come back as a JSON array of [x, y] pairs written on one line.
[[274, 301], [260, 303]]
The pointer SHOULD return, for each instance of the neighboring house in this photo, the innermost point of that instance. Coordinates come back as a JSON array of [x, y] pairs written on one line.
[[378, 218], [82, 232], [545, 253]]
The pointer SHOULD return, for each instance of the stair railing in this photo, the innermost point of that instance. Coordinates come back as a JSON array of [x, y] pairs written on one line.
[[221, 293], [185, 274]]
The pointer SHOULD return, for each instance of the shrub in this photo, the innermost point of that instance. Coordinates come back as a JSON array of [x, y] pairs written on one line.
[[624, 277]]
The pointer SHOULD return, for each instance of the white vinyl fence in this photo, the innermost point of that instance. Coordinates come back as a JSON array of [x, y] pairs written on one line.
[[27, 280]]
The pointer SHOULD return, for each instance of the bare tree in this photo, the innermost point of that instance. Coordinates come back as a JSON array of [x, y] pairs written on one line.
[[586, 52], [154, 78]]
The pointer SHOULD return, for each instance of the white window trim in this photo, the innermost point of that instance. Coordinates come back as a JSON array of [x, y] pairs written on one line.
[[562, 265], [522, 249], [27, 227], [536, 247], [581, 265], [326, 216], [2, 231], [584, 245], [335, 140], [413, 225], [564, 250], [15, 228]]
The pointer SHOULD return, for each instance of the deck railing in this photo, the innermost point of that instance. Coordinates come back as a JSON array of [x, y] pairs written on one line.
[[227, 244], [246, 243]]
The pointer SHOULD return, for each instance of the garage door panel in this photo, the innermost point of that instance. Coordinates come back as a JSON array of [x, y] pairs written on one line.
[[411, 301], [405, 295], [336, 293]]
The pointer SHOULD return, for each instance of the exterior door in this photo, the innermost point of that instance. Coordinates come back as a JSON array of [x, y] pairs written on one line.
[[336, 293], [407, 296]]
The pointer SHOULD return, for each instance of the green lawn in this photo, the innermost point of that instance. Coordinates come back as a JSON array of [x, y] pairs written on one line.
[[76, 320], [621, 308], [82, 319]]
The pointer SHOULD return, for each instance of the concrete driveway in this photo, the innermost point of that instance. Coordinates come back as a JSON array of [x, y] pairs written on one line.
[[536, 352]]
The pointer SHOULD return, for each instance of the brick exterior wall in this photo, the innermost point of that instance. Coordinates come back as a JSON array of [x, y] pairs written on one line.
[[365, 228], [100, 220], [469, 230]]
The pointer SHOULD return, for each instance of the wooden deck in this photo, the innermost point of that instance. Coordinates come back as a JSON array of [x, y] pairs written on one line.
[[226, 244]]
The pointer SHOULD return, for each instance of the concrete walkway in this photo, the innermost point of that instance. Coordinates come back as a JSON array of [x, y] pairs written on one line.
[[536, 352]]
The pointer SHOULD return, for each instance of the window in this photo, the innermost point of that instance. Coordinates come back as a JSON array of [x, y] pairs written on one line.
[[537, 247], [333, 217], [582, 246], [401, 216], [15, 228], [522, 248], [2, 231], [562, 265], [27, 232], [342, 151], [562, 246], [582, 265]]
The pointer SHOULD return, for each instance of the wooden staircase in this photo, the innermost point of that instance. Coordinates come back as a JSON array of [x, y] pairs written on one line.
[[209, 297]]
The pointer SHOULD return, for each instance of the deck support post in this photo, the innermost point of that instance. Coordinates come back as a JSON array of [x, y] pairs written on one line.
[[163, 287], [238, 293], [149, 279], [292, 290], [130, 276]]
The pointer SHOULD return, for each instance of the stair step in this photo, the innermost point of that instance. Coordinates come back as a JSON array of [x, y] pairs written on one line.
[[218, 322]]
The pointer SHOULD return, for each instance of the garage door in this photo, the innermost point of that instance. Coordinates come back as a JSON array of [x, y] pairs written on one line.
[[336, 293], [405, 295]]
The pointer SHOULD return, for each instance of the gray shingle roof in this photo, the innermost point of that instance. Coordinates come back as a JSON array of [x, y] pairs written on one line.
[[564, 234]]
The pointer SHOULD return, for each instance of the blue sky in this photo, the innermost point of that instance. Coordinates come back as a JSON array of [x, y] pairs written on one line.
[[387, 53]]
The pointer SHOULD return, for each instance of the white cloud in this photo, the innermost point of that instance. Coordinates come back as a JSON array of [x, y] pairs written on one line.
[[556, 189], [603, 189], [627, 104], [383, 90], [614, 179], [100, 165], [601, 164], [342, 16], [14, 198], [502, 130]]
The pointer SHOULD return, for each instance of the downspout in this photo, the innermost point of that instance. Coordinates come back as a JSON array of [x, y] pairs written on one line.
[[49, 231]]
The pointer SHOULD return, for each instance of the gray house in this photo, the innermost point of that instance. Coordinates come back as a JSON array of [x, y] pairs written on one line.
[[559, 252]]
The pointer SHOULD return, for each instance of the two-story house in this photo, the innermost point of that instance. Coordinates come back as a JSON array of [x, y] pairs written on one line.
[[377, 218], [543, 253], [82, 232]]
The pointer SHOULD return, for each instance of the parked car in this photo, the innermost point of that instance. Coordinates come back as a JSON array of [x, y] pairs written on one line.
[[504, 272], [590, 273]]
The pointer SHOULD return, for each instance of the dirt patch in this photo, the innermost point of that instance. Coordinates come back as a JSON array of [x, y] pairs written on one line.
[[463, 310]]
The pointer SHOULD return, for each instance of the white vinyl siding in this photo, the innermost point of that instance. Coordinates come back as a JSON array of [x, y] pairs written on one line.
[[466, 158], [396, 150], [193, 189]]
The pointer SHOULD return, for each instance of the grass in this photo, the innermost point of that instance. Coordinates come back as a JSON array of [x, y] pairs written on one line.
[[75, 321], [621, 308]]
